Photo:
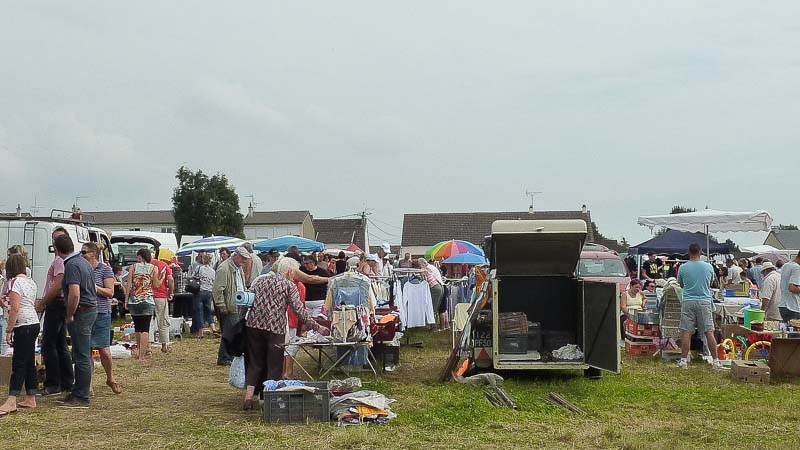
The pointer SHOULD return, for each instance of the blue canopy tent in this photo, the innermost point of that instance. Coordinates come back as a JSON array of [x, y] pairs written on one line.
[[283, 243], [677, 242]]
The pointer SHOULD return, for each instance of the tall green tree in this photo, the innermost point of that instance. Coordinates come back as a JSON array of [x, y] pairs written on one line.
[[206, 205]]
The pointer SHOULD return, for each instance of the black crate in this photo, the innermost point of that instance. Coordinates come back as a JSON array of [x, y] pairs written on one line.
[[298, 407], [513, 345]]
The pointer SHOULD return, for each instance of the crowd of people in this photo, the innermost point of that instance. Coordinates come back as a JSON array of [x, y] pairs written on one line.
[[77, 300], [776, 285]]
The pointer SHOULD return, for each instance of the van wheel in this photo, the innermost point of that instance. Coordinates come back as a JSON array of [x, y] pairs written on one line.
[[592, 373]]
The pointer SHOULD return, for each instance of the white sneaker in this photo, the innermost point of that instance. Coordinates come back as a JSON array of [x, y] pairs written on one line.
[[717, 365], [682, 364]]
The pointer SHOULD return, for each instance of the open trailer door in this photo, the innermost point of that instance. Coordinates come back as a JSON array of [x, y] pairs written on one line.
[[601, 325]]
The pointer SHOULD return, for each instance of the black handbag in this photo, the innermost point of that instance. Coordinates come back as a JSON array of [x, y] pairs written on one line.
[[193, 284]]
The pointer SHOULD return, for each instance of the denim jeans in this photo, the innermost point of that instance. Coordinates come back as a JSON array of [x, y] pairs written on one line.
[[55, 353], [225, 322], [23, 366], [201, 311], [80, 331]]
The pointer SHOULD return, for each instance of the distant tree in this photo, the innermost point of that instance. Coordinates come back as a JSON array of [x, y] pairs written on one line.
[[597, 234], [677, 209], [732, 247], [787, 227], [624, 245], [206, 206]]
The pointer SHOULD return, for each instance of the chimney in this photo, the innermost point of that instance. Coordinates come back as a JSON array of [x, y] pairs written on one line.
[[530, 209], [19, 210], [250, 210], [584, 209]]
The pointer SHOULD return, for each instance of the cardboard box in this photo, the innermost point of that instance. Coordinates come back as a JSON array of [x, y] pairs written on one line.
[[5, 370], [750, 372]]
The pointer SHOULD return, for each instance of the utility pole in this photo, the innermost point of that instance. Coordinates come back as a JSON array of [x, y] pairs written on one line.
[[532, 195]]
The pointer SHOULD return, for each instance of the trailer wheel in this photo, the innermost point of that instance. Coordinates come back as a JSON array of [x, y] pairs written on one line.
[[592, 373]]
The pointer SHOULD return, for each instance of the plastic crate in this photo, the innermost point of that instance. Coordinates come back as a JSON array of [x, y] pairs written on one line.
[[297, 407], [639, 329], [635, 349]]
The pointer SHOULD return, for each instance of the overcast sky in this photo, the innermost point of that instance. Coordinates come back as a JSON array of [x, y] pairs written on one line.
[[414, 106]]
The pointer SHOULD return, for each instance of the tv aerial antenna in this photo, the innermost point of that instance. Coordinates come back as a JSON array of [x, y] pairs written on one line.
[[532, 195]]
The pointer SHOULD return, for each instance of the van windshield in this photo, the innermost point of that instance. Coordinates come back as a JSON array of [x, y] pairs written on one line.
[[591, 267]]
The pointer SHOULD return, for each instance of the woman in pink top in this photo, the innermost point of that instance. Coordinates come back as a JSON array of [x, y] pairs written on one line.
[[437, 290]]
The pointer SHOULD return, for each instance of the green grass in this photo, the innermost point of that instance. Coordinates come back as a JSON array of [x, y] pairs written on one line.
[[183, 401]]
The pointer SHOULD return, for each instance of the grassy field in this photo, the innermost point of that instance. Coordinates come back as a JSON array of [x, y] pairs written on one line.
[[183, 401]]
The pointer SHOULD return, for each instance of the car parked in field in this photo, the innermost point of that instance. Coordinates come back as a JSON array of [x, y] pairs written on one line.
[[603, 266]]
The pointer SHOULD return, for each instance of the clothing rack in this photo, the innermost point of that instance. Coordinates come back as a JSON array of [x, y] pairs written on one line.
[[401, 274]]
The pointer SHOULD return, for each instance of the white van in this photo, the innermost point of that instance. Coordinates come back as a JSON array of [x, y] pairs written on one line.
[[35, 234]]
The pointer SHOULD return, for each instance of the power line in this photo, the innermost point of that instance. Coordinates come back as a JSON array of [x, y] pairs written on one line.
[[386, 223], [382, 230]]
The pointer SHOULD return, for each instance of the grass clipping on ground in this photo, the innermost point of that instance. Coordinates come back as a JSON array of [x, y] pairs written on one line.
[[183, 401]]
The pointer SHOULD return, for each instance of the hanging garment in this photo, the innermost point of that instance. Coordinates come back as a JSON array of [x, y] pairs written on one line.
[[418, 304], [349, 288], [399, 303]]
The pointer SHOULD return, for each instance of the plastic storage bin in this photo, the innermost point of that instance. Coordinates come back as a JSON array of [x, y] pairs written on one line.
[[288, 407]]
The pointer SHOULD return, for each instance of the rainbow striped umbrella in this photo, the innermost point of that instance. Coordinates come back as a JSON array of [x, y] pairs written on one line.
[[447, 249]]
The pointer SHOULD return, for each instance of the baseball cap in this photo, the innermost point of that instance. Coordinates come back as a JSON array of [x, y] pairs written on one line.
[[241, 251]]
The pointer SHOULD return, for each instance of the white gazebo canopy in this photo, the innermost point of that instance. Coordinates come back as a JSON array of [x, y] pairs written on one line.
[[711, 221]]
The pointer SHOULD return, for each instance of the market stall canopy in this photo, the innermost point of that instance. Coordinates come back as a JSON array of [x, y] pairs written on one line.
[[210, 244], [446, 249], [353, 248], [758, 249], [466, 258], [674, 241], [711, 221], [283, 243]]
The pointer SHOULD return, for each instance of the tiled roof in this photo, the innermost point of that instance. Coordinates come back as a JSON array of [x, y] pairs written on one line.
[[340, 231], [131, 217], [431, 228], [276, 217], [789, 238]]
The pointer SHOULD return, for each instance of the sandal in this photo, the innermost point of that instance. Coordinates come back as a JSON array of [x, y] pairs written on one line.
[[115, 387], [8, 413]]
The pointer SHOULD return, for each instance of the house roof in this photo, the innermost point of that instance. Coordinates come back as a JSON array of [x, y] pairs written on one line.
[[431, 228], [276, 217], [790, 239], [340, 231], [131, 217]]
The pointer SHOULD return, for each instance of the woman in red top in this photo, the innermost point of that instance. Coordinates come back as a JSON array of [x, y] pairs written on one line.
[[288, 363]]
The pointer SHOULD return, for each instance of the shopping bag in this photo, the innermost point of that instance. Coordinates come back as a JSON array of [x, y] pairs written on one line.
[[236, 378]]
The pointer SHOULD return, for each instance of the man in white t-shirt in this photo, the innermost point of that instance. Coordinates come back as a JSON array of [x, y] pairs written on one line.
[[734, 272]]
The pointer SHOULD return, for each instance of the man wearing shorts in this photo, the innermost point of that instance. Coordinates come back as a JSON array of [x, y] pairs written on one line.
[[697, 309]]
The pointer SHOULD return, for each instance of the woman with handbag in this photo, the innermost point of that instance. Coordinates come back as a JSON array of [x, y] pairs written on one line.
[[200, 284]]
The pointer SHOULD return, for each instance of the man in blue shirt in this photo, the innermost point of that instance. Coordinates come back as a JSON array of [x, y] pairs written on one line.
[[697, 309], [79, 291]]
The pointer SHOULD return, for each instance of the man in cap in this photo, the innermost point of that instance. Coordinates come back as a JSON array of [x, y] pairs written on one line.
[[770, 291], [229, 280]]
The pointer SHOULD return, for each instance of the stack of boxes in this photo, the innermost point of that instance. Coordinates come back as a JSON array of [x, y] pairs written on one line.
[[641, 335], [513, 333]]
